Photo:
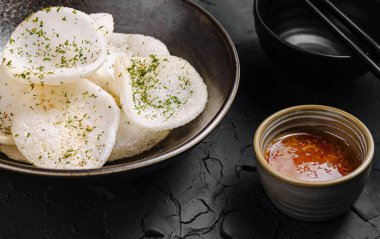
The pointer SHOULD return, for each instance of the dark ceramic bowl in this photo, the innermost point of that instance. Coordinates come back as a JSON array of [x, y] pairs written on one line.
[[300, 44], [189, 32]]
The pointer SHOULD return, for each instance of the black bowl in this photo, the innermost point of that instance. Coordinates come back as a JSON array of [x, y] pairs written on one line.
[[300, 44], [189, 32]]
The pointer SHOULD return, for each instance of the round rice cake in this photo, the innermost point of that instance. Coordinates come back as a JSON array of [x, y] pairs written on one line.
[[12, 152], [104, 77], [160, 93], [136, 45], [125, 45], [105, 23], [66, 127], [54, 46], [132, 140], [10, 92]]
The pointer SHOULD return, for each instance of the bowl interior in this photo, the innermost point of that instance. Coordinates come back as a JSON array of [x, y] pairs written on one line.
[[294, 23], [187, 31]]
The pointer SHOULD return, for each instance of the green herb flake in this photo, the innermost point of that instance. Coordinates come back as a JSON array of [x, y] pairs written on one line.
[[9, 64], [48, 9]]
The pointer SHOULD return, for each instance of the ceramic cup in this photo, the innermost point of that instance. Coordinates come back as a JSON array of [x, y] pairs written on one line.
[[314, 201]]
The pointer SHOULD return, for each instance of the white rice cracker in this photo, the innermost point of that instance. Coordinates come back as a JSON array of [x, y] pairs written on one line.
[[10, 92], [105, 23], [136, 45], [160, 93], [125, 45], [104, 77], [66, 127], [132, 140], [12, 152], [54, 46]]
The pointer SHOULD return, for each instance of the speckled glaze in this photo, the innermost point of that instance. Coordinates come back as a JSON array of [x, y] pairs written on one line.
[[314, 201]]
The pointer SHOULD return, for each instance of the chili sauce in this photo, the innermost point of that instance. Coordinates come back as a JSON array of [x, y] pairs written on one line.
[[312, 156]]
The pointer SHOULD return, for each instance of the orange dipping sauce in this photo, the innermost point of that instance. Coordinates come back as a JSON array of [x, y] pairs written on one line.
[[312, 156]]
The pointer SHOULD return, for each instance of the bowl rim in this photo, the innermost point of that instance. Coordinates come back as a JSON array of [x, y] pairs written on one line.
[[258, 15], [31, 170], [367, 161]]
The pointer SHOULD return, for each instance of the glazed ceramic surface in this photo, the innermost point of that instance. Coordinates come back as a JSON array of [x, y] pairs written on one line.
[[306, 200]]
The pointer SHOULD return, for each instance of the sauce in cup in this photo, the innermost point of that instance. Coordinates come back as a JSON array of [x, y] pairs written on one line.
[[312, 156]]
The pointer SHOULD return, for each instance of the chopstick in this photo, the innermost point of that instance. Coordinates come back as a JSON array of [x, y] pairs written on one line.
[[363, 55], [352, 25]]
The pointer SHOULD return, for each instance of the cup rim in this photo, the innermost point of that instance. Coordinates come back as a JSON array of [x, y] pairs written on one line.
[[297, 182], [258, 14]]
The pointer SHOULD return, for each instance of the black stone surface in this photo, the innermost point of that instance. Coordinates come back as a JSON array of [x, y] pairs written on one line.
[[213, 190]]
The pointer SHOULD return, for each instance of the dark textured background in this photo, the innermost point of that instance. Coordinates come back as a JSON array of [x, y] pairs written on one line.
[[213, 190]]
